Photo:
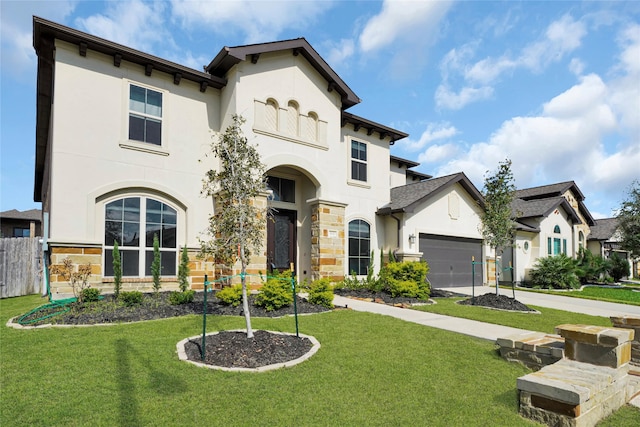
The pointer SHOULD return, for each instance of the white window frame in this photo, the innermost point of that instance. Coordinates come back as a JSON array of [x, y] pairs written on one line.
[[353, 159], [141, 248]]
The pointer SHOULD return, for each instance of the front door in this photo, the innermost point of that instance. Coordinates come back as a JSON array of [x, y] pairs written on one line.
[[281, 240]]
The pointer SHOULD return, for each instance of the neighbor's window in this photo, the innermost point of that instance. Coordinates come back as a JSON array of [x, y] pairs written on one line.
[[359, 247], [284, 190], [21, 232], [132, 222], [145, 115], [358, 161]]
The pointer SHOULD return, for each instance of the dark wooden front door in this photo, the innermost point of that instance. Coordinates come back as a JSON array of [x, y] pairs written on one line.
[[281, 240]]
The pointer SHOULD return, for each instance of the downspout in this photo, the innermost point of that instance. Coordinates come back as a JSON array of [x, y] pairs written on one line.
[[45, 255]]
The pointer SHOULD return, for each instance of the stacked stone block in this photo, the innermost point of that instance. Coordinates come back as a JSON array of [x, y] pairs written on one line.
[[629, 322], [327, 240], [533, 349], [587, 385], [79, 255]]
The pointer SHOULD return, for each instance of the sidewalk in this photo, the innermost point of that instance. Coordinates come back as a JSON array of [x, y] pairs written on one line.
[[576, 305], [473, 328]]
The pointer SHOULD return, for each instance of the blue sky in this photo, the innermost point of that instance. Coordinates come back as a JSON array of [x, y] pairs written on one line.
[[553, 86]]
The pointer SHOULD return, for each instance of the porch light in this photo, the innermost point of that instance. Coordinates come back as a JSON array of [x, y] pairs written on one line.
[[412, 238]]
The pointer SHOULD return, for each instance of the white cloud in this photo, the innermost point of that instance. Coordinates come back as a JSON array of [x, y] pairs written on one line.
[[259, 21], [339, 53], [400, 20], [134, 23], [16, 28], [438, 153], [576, 66], [561, 37], [433, 132], [448, 99]]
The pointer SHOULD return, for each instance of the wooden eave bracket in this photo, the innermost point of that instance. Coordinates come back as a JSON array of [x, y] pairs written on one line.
[[148, 69], [117, 60], [203, 86], [254, 58], [176, 78], [331, 87], [83, 49]]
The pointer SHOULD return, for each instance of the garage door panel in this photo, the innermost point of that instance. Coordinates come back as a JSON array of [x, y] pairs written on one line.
[[449, 260]]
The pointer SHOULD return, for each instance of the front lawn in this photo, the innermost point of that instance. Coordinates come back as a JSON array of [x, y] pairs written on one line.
[[626, 295], [370, 370], [544, 322]]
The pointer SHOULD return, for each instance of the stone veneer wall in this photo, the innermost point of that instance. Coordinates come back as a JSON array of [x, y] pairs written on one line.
[[327, 240]]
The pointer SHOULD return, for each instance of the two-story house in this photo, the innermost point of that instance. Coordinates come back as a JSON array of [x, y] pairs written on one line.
[[121, 144]]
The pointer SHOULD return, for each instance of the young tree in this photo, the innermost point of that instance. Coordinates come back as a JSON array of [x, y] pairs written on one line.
[[117, 271], [236, 229], [155, 265], [183, 270], [498, 228], [629, 220]]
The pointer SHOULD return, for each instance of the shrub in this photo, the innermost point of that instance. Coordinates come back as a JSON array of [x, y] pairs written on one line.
[[155, 265], [619, 267], [275, 294], [131, 298], [394, 274], [321, 293], [557, 272], [231, 295], [177, 298], [117, 270], [90, 294], [592, 268], [79, 280], [183, 270]]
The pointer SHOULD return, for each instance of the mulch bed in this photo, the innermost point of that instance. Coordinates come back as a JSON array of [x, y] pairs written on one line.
[[501, 302], [232, 349]]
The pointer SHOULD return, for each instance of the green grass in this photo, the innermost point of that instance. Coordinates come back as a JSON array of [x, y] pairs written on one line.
[[544, 322], [370, 370], [621, 295]]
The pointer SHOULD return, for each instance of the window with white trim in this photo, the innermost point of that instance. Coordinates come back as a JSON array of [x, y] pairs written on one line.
[[145, 115], [133, 222], [359, 246], [358, 161]]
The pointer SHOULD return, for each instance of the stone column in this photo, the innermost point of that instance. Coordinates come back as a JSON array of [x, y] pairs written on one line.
[[327, 239]]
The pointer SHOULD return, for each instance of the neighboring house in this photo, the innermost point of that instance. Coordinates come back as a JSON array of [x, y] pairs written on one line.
[[550, 220], [16, 223], [120, 156], [604, 240]]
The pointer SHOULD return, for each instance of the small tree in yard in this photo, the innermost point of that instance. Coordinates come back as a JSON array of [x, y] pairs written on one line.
[[183, 270], [498, 228], [629, 220], [155, 265], [235, 230], [117, 270]]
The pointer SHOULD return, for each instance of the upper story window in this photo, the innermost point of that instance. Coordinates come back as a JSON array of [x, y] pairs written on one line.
[[271, 115], [312, 127], [359, 246], [358, 161], [581, 239], [556, 229], [145, 115], [133, 222], [283, 190]]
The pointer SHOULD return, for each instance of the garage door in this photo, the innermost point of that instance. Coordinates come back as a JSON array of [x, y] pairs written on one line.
[[449, 260]]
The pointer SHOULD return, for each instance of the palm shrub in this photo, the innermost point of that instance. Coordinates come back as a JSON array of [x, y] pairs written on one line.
[[593, 268], [321, 293], [557, 272], [619, 267], [397, 279]]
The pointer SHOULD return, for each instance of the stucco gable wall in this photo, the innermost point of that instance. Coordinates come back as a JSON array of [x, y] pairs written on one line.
[[437, 215], [91, 153], [557, 217]]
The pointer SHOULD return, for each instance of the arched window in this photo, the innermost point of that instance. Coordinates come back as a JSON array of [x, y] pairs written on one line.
[[312, 127], [133, 222], [581, 239], [556, 229], [359, 246], [293, 115], [271, 115]]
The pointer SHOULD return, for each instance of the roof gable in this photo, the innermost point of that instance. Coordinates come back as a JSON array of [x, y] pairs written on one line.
[[603, 229], [405, 198], [230, 56], [550, 190], [542, 208]]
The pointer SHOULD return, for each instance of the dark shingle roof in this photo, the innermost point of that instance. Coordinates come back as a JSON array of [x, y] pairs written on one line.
[[550, 190], [30, 215], [542, 208], [406, 197], [603, 229]]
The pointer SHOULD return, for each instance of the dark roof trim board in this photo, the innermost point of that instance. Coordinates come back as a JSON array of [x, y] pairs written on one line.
[[230, 56], [407, 197], [404, 162], [384, 131], [419, 175]]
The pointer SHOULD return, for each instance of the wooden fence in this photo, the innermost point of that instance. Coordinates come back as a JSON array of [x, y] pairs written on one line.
[[20, 266]]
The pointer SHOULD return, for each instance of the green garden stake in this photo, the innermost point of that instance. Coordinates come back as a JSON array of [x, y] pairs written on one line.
[[295, 305], [473, 281], [204, 318]]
